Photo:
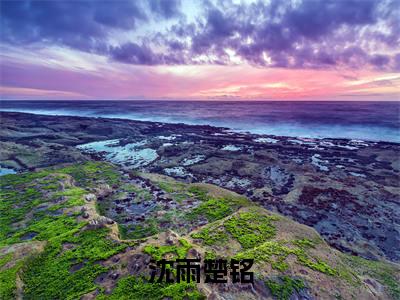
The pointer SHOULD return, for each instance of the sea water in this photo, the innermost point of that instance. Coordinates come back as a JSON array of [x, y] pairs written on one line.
[[377, 121]]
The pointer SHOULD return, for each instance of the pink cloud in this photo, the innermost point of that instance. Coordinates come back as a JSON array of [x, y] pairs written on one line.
[[119, 81]]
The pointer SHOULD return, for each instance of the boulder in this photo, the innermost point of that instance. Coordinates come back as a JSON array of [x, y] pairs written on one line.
[[90, 197], [103, 190], [171, 238], [104, 220], [94, 224]]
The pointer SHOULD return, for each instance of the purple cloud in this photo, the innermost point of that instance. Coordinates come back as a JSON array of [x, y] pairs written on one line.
[[305, 34]]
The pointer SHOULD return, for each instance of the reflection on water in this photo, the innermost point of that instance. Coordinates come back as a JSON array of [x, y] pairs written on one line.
[[6, 171]]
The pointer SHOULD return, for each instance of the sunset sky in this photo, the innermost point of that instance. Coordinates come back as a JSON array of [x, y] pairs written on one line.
[[230, 50]]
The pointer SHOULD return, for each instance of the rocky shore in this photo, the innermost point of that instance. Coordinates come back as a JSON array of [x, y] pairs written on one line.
[[348, 190]]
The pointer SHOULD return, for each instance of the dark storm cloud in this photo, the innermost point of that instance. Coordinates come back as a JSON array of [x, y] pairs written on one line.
[[305, 34], [78, 24], [311, 34]]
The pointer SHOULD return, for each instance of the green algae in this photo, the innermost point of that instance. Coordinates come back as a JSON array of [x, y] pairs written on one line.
[[212, 210], [284, 286], [8, 281], [49, 276], [21, 194], [171, 187], [138, 288], [199, 192], [276, 252], [158, 252], [212, 235], [250, 229], [137, 231], [89, 174], [383, 272]]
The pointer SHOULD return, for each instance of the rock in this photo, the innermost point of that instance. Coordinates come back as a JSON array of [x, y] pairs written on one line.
[[114, 276], [140, 218], [171, 238], [202, 222], [104, 220], [85, 215], [84, 208], [260, 288], [136, 267], [304, 272], [194, 253], [160, 213], [119, 209], [94, 224], [373, 284], [103, 190], [62, 199], [128, 219], [90, 197]]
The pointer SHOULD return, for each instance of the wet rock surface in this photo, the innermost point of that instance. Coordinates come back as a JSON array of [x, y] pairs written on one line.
[[348, 190]]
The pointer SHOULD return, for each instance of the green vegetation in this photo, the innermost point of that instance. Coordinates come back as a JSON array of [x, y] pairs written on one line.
[[5, 259], [45, 228], [33, 207], [137, 288], [210, 255], [253, 230], [212, 235], [41, 224], [250, 229], [158, 252], [305, 243], [92, 173], [16, 200], [171, 187], [8, 281], [283, 287], [28, 203], [276, 252], [212, 210], [138, 231], [75, 196], [50, 275], [199, 192], [381, 271], [8, 277], [21, 196]]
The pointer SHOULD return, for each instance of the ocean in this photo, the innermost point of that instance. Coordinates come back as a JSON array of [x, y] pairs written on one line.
[[376, 121]]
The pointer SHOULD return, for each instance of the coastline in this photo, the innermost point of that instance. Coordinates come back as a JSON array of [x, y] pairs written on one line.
[[333, 185], [372, 121], [212, 127]]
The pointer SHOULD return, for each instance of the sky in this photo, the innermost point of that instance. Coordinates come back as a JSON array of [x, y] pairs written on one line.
[[200, 50]]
